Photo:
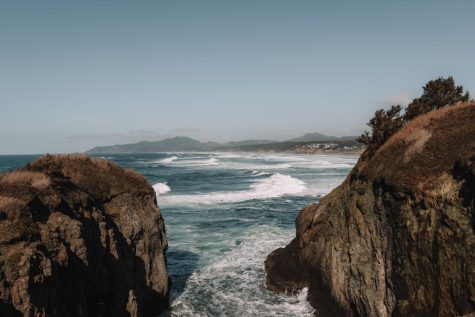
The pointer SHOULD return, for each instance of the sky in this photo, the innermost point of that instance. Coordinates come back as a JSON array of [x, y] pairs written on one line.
[[78, 74]]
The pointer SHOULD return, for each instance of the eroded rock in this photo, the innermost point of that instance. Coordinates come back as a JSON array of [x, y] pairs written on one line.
[[80, 237], [397, 237]]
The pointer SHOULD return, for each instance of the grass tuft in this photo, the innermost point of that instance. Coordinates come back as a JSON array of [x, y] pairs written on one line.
[[416, 140], [11, 207], [37, 180], [413, 128]]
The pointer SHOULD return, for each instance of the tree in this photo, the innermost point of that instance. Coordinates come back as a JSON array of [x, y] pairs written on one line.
[[437, 93], [383, 125]]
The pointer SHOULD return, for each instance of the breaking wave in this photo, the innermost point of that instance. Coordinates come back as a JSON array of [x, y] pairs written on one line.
[[234, 285], [168, 159], [212, 161], [274, 186], [161, 188]]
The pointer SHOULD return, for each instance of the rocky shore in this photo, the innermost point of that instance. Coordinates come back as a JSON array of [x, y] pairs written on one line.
[[80, 237], [396, 238]]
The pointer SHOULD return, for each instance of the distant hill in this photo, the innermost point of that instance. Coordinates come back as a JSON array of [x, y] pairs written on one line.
[[170, 144], [189, 144], [311, 137], [247, 142]]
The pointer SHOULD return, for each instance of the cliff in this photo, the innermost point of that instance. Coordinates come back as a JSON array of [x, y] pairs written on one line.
[[80, 237], [396, 238]]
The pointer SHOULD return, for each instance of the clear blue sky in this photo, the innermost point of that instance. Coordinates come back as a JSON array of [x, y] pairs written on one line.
[[76, 74]]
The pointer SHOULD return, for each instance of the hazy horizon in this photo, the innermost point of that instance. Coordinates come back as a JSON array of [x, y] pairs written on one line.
[[152, 139], [75, 75]]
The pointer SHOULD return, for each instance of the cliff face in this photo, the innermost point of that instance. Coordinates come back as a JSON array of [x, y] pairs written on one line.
[[80, 237], [396, 238]]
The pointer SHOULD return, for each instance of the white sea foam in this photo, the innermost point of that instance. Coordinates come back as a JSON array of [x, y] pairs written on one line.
[[259, 162], [278, 157], [284, 161], [234, 283], [274, 186], [320, 164], [322, 186], [200, 162], [259, 173], [254, 166], [229, 155], [161, 188], [168, 159], [324, 164]]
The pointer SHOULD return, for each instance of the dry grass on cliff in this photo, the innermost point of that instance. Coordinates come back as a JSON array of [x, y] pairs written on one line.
[[412, 130], [35, 179], [11, 207], [417, 131], [134, 174], [416, 139], [424, 148], [81, 157], [100, 163]]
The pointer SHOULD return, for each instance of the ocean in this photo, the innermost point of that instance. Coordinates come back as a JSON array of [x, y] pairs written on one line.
[[224, 212]]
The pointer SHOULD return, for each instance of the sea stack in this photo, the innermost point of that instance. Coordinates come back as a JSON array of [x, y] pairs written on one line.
[[80, 237], [396, 238]]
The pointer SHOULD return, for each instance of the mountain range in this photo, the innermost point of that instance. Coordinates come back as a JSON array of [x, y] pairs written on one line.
[[181, 143]]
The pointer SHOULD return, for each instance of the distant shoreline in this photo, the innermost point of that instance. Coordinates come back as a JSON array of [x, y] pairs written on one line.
[[316, 152], [306, 144]]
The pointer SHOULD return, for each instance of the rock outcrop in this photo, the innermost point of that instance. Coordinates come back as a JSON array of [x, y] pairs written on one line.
[[80, 237], [396, 238]]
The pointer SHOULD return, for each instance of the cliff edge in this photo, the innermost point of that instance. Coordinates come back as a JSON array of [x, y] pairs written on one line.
[[80, 237], [396, 238]]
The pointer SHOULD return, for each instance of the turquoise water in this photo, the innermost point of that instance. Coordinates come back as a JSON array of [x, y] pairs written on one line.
[[224, 212]]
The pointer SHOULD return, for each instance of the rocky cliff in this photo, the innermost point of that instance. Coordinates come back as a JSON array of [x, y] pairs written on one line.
[[80, 237], [396, 238]]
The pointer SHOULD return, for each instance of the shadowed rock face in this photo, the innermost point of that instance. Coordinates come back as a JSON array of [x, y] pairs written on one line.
[[397, 237], [80, 237]]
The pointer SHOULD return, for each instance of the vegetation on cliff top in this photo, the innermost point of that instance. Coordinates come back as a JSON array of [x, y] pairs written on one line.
[[437, 94]]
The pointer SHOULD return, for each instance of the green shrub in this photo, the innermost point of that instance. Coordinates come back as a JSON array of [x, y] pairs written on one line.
[[384, 124]]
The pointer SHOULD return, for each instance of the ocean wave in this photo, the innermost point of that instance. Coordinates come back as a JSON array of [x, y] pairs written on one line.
[[243, 269], [259, 173], [254, 166], [161, 188], [168, 159], [305, 161], [280, 157], [229, 155], [274, 186], [326, 164], [212, 161]]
